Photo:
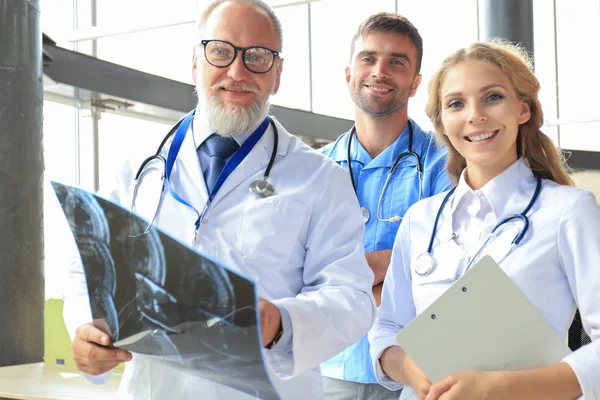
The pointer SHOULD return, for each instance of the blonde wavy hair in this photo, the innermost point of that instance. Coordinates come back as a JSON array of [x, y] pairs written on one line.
[[540, 153]]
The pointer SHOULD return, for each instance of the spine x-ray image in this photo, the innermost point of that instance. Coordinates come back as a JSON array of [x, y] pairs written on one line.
[[160, 298]]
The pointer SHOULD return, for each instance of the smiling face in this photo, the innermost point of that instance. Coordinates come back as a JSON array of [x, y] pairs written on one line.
[[383, 73], [235, 98], [481, 114]]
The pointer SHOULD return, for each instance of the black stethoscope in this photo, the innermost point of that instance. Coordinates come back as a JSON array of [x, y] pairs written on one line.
[[366, 214], [163, 166], [425, 263]]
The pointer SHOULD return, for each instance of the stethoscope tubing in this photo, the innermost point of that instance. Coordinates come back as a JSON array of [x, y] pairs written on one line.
[[516, 240], [158, 156], [399, 158]]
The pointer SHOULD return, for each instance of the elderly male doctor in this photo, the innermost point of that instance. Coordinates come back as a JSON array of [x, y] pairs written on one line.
[[302, 245]]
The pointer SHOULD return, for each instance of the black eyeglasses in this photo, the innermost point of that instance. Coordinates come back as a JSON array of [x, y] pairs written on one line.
[[221, 54]]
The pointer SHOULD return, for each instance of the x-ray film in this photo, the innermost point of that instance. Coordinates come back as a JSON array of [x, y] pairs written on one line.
[[161, 298]]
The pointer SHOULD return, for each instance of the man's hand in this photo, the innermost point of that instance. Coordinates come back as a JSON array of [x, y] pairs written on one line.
[[90, 356], [270, 320], [379, 261]]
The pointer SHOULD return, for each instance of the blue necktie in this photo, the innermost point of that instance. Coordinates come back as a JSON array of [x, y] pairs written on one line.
[[220, 148]]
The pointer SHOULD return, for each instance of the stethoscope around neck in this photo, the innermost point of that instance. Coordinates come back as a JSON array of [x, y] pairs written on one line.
[[365, 212], [425, 263], [261, 188]]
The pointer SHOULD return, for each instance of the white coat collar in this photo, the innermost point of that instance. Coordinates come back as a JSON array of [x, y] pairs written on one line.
[[499, 190]]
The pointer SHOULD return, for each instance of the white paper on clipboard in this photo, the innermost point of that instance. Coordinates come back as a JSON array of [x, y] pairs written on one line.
[[483, 322]]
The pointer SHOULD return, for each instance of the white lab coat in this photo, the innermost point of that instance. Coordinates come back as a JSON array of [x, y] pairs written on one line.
[[302, 246], [555, 265]]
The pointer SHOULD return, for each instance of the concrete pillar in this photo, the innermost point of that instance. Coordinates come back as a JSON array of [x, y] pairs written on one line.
[[21, 174], [508, 19]]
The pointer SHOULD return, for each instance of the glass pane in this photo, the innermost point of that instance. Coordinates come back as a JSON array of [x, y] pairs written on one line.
[[578, 78], [125, 13], [551, 131], [545, 60], [60, 162], [122, 138], [294, 91], [165, 51], [580, 136], [452, 25], [56, 20], [59, 143], [333, 23]]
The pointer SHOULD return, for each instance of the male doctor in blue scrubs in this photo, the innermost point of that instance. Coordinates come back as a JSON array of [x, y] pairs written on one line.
[[386, 56]]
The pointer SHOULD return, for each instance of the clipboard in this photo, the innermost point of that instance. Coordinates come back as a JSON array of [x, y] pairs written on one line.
[[483, 322]]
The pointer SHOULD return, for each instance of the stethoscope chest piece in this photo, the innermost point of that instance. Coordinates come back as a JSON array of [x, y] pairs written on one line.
[[262, 188], [424, 264], [365, 214]]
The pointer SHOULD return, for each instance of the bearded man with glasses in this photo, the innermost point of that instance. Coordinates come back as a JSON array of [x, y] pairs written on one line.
[[301, 242]]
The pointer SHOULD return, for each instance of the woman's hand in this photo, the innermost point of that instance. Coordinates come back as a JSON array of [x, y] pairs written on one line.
[[416, 379], [468, 385]]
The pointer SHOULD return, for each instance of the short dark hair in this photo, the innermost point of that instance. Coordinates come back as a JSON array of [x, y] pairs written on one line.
[[390, 22]]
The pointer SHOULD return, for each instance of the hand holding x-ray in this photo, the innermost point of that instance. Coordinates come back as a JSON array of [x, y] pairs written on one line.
[[154, 296]]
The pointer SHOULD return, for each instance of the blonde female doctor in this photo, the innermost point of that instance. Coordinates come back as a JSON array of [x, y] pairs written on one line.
[[484, 105]]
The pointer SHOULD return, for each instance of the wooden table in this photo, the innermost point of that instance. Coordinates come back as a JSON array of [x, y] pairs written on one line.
[[41, 381]]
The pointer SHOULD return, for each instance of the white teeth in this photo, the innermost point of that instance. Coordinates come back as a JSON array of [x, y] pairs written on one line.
[[481, 136], [382, 90]]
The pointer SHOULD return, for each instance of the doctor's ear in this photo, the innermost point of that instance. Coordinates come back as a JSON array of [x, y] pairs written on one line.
[[194, 64], [278, 71], [415, 85], [525, 114]]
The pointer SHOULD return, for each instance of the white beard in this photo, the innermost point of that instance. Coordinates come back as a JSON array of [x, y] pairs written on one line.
[[226, 120]]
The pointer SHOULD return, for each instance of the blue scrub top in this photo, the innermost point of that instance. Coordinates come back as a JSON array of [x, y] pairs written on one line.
[[354, 363]]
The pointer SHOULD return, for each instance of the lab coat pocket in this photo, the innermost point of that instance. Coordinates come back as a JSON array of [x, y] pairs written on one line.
[[270, 229]]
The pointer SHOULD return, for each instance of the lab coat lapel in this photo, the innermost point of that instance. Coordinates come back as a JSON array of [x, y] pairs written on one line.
[[187, 179]]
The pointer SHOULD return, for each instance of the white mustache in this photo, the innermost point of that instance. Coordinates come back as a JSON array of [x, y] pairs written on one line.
[[233, 85]]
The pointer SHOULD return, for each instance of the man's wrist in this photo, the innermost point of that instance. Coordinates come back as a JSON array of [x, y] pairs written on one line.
[[277, 336]]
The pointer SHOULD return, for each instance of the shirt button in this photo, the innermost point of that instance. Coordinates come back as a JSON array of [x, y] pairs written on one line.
[[205, 221]]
